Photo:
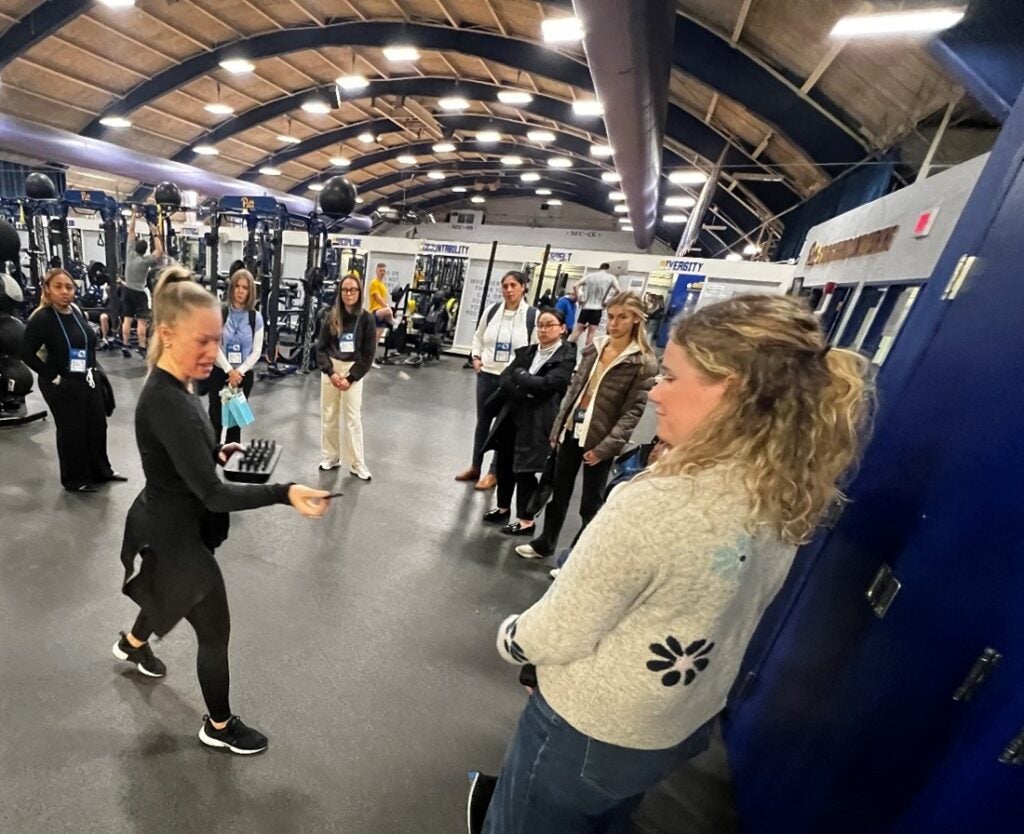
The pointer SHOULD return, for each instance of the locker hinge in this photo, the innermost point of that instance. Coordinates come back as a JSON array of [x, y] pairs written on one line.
[[982, 667], [956, 280], [1014, 752], [883, 590]]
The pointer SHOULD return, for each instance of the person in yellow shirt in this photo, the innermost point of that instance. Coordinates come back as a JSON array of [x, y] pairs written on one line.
[[383, 315]]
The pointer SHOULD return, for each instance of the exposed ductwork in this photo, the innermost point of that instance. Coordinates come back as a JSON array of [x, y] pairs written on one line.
[[629, 50], [60, 146]]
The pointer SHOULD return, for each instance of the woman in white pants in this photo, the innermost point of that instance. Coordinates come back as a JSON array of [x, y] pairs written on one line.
[[344, 352]]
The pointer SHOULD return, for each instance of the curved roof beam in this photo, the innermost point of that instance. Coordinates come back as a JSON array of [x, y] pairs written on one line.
[[324, 140], [44, 20]]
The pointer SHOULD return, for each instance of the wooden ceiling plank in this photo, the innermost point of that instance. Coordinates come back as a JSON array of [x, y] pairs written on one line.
[[195, 41], [306, 12], [94, 56], [497, 20], [134, 41], [491, 75], [263, 14], [711, 108], [741, 21], [74, 79], [211, 16], [355, 9], [823, 65], [447, 13], [763, 144], [444, 59], [49, 99], [401, 11]]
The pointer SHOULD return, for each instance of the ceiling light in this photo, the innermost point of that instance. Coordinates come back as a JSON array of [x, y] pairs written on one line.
[[452, 103], [316, 186], [219, 109], [443, 147], [620, 208], [401, 53], [512, 160], [543, 192], [459, 189], [436, 175], [554, 202], [689, 177], [600, 150], [514, 97], [406, 159], [675, 218], [360, 200], [205, 150], [317, 105], [680, 202], [561, 30], [616, 195], [625, 221], [610, 176], [488, 136], [353, 82], [115, 121], [531, 176], [751, 249], [912, 21], [367, 138], [478, 199], [270, 171], [540, 136], [341, 161], [288, 140], [237, 65], [117, 4], [587, 107], [627, 228], [560, 162], [733, 256]]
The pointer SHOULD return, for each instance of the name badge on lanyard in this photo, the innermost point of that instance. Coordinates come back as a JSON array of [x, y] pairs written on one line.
[[234, 354], [347, 343], [77, 363], [502, 352], [78, 358]]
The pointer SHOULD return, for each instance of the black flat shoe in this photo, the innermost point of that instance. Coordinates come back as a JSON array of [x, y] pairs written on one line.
[[115, 477], [517, 529], [497, 516]]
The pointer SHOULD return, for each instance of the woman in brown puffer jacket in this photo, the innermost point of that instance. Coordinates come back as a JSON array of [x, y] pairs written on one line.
[[606, 398]]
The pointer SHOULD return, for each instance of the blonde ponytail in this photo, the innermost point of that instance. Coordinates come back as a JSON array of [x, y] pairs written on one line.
[[175, 295]]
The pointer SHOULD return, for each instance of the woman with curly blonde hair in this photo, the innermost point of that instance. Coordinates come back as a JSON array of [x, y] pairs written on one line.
[[640, 638]]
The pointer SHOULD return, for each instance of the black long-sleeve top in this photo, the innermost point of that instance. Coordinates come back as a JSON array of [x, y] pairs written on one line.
[[328, 344], [44, 330]]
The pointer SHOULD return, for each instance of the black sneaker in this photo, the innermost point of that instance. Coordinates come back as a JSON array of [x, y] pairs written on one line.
[[236, 737], [481, 789], [142, 657]]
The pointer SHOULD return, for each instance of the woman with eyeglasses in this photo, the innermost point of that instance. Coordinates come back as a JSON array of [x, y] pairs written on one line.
[[530, 391], [344, 351]]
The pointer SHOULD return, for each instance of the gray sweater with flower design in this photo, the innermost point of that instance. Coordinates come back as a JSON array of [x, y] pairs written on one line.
[[640, 638]]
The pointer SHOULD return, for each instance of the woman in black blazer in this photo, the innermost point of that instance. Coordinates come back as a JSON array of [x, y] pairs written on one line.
[[526, 404]]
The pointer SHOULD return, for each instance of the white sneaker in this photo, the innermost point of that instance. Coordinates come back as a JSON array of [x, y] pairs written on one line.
[[553, 573], [377, 364], [327, 465], [527, 552], [361, 472]]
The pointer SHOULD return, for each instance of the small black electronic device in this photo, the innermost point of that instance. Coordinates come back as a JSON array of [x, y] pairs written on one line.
[[255, 465]]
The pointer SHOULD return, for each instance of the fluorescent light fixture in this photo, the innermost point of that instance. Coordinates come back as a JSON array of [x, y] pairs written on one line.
[[205, 150], [512, 161], [115, 121], [341, 161], [238, 66], [401, 53], [452, 103], [443, 147], [478, 199], [688, 177], [488, 136], [600, 151], [270, 171], [288, 140], [436, 175], [616, 195], [587, 107], [543, 192], [625, 221], [531, 176], [733, 256], [540, 136], [459, 189], [117, 4], [406, 159], [751, 249], [514, 97], [675, 218], [620, 208], [680, 202], [316, 105], [353, 82], [316, 186], [610, 176], [560, 162], [626, 228], [909, 22], [561, 30], [367, 138], [554, 202], [219, 108]]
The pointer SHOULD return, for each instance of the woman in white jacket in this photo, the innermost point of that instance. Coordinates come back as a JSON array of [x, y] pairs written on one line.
[[504, 327]]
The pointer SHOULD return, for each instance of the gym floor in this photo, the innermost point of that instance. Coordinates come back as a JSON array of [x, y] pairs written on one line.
[[362, 644]]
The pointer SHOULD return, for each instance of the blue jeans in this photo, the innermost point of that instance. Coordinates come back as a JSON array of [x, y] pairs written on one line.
[[556, 780]]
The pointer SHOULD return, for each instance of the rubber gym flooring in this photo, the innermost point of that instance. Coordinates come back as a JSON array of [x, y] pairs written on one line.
[[362, 644]]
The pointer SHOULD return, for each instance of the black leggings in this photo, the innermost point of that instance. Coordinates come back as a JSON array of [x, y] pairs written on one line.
[[218, 379], [212, 624], [524, 484]]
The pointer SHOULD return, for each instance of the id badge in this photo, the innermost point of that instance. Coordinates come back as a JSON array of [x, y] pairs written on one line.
[[347, 343], [234, 354], [502, 352], [77, 365]]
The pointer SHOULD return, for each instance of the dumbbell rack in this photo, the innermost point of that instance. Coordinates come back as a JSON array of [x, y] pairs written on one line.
[[255, 465]]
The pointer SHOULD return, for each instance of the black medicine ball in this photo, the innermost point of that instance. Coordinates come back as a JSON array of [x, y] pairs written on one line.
[[40, 187], [10, 243], [167, 194], [338, 198], [15, 377]]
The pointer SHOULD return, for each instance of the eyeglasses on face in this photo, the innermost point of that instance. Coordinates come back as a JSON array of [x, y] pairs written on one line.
[[350, 289], [547, 326]]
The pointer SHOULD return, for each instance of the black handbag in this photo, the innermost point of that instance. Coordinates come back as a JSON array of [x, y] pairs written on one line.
[[545, 487], [106, 390]]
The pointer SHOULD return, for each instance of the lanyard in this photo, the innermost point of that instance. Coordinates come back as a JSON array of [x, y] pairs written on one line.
[[511, 325], [65, 332]]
